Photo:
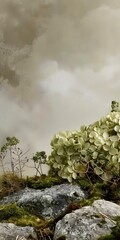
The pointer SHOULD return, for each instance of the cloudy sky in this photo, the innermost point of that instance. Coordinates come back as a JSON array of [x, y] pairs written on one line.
[[59, 66]]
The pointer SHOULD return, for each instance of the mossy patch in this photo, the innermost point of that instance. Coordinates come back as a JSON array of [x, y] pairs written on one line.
[[11, 210], [43, 181], [19, 216], [107, 237]]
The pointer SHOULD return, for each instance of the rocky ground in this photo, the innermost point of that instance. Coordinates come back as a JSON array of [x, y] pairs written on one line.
[[59, 209]]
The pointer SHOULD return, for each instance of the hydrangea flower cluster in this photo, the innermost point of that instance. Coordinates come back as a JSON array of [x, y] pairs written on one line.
[[94, 149]]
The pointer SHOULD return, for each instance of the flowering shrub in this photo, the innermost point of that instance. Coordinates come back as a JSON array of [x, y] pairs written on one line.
[[94, 150]]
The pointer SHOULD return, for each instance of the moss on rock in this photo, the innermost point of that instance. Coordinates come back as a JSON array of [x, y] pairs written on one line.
[[43, 181], [19, 216]]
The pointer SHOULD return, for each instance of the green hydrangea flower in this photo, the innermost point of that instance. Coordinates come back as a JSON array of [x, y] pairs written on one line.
[[93, 149]]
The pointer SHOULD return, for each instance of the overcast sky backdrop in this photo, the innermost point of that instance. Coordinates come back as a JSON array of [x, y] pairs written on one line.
[[59, 66]]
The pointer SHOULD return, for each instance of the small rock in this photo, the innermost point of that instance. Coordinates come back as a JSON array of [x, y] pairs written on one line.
[[89, 222]]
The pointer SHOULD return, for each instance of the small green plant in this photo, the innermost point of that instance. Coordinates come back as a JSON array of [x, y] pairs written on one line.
[[39, 159]]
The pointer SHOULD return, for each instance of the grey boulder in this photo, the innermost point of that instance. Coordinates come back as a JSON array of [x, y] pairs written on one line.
[[53, 201], [49, 203], [89, 222], [9, 231]]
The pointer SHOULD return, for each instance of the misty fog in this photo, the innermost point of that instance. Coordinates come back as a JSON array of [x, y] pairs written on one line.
[[59, 66]]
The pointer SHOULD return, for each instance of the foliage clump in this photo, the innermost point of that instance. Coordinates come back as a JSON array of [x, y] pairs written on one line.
[[92, 151]]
